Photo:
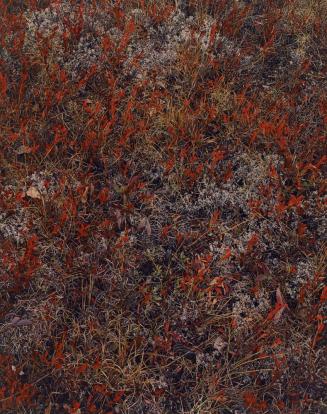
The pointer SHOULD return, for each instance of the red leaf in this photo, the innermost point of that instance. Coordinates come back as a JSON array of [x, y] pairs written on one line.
[[249, 399], [83, 230], [279, 297], [322, 161], [301, 229], [165, 231], [81, 368], [3, 84], [252, 242], [103, 195], [276, 313], [323, 296], [276, 343], [214, 218], [227, 254], [106, 43], [118, 395], [213, 32], [273, 171], [129, 30], [216, 156], [169, 165], [295, 201]]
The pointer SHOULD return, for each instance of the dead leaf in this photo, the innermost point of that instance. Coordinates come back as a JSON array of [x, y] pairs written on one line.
[[23, 149], [161, 84], [84, 196], [35, 108], [91, 189], [148, 227], [24, 322], [145, 224], [33, 192], [141, 224], [219, 344], [15, 320], [279, 297], [118, 218], [276, 313], [48, 409]]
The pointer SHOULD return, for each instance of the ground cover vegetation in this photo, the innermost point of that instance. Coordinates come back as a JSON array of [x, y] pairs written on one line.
[[162, 206]]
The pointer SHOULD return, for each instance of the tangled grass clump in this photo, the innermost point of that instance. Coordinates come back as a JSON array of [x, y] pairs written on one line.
[[162, 206]]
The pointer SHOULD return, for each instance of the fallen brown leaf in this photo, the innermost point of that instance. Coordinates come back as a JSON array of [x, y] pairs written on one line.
[[33, 192], [23, 149]]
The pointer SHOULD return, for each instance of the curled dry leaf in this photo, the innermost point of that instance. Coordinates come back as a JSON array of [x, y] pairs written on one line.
[[33, 192]]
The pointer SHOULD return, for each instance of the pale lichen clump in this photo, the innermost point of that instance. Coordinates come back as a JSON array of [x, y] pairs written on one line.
[[159, 50], [301, 278], [250, 173], [155, 51], [50, 25], [13, 224], [44, 182], [249, 310], [14, 227]]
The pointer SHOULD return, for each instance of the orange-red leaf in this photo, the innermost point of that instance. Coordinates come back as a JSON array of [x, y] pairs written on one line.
[[227, 254]]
